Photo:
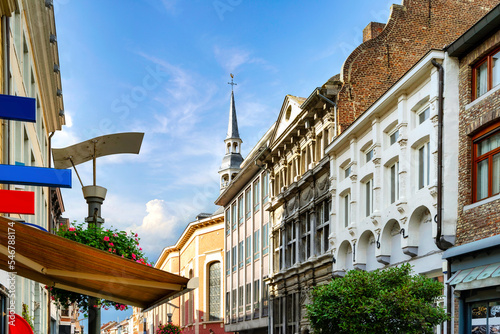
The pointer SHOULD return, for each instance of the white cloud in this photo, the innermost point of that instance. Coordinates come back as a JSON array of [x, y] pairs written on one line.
[[233, 58], [161, 226]]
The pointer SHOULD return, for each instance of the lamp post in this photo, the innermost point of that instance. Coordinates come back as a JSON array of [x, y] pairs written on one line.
[[94, 195]]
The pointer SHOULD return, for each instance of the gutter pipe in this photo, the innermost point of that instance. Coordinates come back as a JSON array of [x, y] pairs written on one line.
[[334, 110], [440, 242]]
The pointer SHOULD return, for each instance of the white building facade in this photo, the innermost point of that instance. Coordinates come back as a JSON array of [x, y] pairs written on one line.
[[383, 176]]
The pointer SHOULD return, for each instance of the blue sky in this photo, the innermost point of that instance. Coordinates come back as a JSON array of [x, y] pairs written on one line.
[[162, 67]]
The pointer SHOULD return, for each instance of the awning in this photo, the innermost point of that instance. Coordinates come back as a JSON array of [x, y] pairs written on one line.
[[477, 277], [66, 264]]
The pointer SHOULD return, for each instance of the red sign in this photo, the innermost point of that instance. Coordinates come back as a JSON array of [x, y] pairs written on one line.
[[12, 201]]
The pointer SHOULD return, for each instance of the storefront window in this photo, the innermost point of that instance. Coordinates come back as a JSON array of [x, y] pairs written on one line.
[[485, 317]]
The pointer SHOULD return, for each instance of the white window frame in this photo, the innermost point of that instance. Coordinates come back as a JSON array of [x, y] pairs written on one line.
[[394, 182]]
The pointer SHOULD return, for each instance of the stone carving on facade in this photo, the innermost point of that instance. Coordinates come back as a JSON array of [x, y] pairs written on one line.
[[352, 230], [403, 142], [375, 219]]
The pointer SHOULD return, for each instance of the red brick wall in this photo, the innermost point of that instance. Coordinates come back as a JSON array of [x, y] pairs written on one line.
[[412, 30], [482, 221]]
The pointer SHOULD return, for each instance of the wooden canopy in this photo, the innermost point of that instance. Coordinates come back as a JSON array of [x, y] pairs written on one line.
[[69, 265]]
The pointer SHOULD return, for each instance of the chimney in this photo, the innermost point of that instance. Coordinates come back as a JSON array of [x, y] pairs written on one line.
[[372, 30]]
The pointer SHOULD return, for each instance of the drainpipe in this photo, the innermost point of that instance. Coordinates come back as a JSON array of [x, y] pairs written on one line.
[[334, 111], [440, 242]]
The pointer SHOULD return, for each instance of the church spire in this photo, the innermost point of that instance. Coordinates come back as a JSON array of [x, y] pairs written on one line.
[[232, 129], [232, 159]]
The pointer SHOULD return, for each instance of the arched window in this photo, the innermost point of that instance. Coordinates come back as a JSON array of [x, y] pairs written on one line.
[[214, 295]]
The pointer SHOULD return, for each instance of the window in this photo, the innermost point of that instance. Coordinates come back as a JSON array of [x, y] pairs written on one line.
[[265, 299], [256, 246], [265, 188], [291, 237], [256, 297], [256, 195], [228, 221], [228, 307], [369, 197], [234, 258], [322, 228], [233, 309], [278, 251], [423, 115], [248, 249], [214, 291], [486, 163], [240, 300], [233, 215], [347, 209], [369, 155], [240, 254], [394, 175], [265, 239], [248, 298], [423, 165], [228, 262], [347, 172], [393, 137], [240, 209], [305, 229], [485, 75], [483, 317], [248, 202]]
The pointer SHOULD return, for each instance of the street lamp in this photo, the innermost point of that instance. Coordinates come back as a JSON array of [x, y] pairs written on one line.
[[129, 142]]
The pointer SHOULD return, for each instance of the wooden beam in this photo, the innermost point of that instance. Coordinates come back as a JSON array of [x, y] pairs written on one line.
[[114, 279]]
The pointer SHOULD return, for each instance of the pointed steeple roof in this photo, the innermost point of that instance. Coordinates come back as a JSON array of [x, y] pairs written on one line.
[[232, 129]]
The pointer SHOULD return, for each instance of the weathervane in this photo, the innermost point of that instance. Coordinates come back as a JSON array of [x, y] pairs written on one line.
[[232, 83]]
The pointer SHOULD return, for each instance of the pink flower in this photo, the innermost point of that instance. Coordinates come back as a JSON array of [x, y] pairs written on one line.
[[111, 244], [106, 238], [140, 248], [136, 235], [115, 235], [71, 229], [75, 234], [110, 250], [133, 256], [138, 261]]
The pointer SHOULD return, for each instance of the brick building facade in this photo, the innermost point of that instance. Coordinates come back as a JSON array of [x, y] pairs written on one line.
[[475, 261], [413, 28]]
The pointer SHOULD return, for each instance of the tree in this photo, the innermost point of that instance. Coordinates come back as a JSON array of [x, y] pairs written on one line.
[[382, 301]]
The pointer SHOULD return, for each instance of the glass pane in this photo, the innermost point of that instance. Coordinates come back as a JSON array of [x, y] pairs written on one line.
[[496, 174], [423, 116], [495, 69], [393, 184], [478, 318], [394, 137], [214, 293], [488, 144], [482, 79], [482, 179], [494, 317], [369, 155], [347, 172], [421, 167]]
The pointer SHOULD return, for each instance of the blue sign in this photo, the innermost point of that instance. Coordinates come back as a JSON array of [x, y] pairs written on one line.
[[35, 176], [18, 108]]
